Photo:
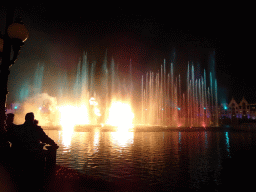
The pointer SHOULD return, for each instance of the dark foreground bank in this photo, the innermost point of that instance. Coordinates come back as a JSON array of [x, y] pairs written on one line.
[[235, 176], [61, 179], [237, 173]]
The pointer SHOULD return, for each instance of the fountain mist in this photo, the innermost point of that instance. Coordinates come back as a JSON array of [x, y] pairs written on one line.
[[158, 100]]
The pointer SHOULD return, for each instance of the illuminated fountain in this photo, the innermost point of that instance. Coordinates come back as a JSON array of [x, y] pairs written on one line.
[[112, 99], [163, 104]]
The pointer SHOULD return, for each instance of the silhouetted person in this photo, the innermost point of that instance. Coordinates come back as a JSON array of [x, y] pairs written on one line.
[[36, 122], [10, 126], [4, 144], [29, 158], [29, 135]]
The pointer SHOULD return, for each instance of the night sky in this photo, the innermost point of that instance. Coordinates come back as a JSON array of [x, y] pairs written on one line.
[[146, 34]]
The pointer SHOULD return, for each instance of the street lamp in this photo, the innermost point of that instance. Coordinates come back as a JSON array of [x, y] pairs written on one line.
[[10, 44], [16, 35]]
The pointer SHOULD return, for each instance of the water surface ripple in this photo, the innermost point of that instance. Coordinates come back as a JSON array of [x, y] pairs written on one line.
[[164, 159]]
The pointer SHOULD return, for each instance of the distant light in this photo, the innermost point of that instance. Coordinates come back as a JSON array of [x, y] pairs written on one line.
[[40, 108], [178, 108], [225, 107], [16, 107], [162, 109], [204, 108]]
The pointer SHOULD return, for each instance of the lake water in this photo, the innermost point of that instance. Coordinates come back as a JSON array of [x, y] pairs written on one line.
[[164, 159]]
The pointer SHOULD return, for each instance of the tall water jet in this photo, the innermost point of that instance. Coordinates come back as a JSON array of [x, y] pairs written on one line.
[[130, 82], [113, 80], [24, 91], [216, 105], [162, 100], [81, 90], [62, 87], [38, 79], [92, 79], [104, 89], [77, 85], [85, 80]]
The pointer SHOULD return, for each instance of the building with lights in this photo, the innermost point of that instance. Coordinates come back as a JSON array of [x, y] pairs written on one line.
[[237, 111]]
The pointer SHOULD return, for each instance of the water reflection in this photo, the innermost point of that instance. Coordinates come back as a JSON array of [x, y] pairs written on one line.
[[227, 143], [166, 158], [122, 137], [179, 141], [205, 139], [92, 140], [96, 139], [67, 134]]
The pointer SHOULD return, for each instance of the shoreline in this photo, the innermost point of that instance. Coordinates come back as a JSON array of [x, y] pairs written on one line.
[[146, 128]]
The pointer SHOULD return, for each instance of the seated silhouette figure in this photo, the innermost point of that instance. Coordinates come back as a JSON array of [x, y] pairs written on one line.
[[29, 136], [28, 160], [10, 126]]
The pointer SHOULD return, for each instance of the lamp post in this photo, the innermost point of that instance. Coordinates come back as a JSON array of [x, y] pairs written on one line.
[[10, 44]]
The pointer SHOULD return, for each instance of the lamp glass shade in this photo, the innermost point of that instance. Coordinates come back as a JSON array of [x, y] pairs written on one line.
[[18, 31]]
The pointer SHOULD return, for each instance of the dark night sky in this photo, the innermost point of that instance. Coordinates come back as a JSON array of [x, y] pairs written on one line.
[[145, 33]]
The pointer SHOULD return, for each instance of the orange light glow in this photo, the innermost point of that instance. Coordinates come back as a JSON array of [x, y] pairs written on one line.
[[120, 115], [94, 103], [73, 115], [70, 116]]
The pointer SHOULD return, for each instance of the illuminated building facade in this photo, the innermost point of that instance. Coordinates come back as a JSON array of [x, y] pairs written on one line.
[[236, 111]]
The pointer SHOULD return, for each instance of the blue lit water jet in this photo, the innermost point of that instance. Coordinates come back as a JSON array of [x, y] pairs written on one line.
[[38, 79]]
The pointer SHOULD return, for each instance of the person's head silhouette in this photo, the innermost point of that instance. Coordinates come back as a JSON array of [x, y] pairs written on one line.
[[29, 118]]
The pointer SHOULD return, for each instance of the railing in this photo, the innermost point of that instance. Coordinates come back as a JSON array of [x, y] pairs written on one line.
[[33, 166], [44, 157], [50, 155]]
